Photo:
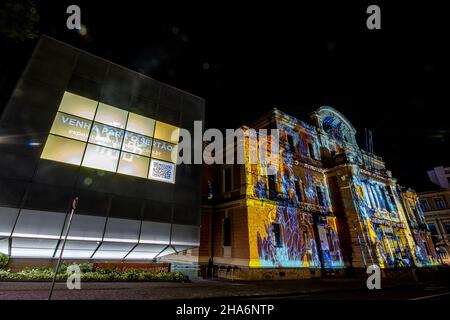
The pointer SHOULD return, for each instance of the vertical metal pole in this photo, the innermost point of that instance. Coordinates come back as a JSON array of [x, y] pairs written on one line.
[[74, 205]]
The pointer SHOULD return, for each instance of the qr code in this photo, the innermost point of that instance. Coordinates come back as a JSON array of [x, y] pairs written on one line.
[[163, 171]]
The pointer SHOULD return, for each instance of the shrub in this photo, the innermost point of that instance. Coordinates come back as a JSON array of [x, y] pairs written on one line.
[[46, 274], [4, 259]]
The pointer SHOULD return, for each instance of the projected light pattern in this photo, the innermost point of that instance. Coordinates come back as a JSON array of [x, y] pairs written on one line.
[[298, 248], [383, 220], [294, 221], [96, 135], [425, 251], [290, 199]]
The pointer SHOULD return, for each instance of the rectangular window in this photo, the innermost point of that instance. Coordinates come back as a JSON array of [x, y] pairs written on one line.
[[70, 126], [226, 232], [330, 241], [167, 132], [78, 106], [138, 144], [424, 205], [320, 198], [140, 124], [298, 189], [272, 186], [290, 141], [227, 179], [447, 227], [311, 151], [432, 228], [102, 158], [111, 116], [107, 136], [306, 239], [440, 204], [277, 236], [63, 150], [133, 165], [164, 150]]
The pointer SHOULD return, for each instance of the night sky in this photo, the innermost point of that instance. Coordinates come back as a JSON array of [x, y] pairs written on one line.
[[245, 60]]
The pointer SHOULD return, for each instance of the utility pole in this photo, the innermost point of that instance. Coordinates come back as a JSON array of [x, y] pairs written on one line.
[[74, 206]]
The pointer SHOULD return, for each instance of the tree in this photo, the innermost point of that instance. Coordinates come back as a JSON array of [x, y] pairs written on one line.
[[18, 19]]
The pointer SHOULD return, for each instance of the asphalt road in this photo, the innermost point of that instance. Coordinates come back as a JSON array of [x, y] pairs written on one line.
[[427, 293], [322, 289]]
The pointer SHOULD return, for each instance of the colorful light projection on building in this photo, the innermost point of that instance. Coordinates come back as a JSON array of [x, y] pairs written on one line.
[[292, 244], [383, 222], [281, 210], [96, 135], [425, 251]]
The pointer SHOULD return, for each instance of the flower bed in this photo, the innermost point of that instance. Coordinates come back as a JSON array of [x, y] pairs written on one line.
[[87, 274]]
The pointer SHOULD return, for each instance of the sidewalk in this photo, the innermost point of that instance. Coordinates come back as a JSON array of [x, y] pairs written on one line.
[[197, 289]]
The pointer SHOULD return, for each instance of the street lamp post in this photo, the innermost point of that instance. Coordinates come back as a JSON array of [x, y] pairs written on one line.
[[74, 206]]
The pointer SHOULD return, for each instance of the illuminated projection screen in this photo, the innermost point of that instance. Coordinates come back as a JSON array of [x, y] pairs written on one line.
[[100, 136]]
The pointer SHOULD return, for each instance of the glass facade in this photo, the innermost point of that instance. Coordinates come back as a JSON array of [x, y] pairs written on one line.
[[80, 126]]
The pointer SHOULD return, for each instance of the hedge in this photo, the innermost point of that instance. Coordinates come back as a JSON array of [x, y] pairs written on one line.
[[46, 274]]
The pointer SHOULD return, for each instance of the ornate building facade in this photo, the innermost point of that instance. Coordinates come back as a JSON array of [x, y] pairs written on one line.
[[436, 207], [327, 207]]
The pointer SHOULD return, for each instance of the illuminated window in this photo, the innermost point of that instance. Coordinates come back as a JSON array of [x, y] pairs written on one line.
[[163, 151], [70, 126], [133, 165], [298, 189], [93, 135], [78, 106], [98, 157], [162, 171], [330, 241], [277, 236], [167, 132], [63, 150], [111, 115], [140, 124], [106, 136], [138, 144]]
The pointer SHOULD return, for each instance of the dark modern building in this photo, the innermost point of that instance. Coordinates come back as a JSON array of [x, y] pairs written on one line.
[[77, 125]]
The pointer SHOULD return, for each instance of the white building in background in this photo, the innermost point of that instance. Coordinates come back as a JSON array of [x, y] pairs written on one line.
[[435, 204], [440, 176]]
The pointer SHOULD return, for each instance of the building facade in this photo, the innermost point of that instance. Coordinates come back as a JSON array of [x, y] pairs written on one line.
[[327, 206], [79, 126], [440, 176], [436, 207]]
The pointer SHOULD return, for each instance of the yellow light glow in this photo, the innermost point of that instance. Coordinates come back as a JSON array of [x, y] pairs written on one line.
[[78, 105], [133, 165], [111, 115], [102, 158], [140, 124], [167, 132], [102, 142], [63, 150], [71, 127]]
